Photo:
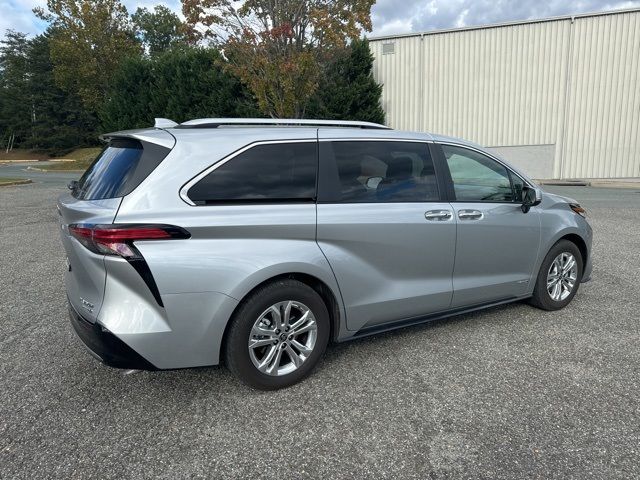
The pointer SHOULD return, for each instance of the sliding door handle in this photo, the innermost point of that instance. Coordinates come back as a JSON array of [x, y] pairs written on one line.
[[470, 215], [437, 215]]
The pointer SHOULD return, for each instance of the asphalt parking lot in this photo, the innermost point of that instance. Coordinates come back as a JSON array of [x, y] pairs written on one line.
[[512, 392]]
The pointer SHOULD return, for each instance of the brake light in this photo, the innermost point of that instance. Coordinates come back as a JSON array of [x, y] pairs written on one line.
[[118, 239]]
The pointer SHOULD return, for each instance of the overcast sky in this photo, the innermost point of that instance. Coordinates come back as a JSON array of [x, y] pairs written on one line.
[[389, 16], [401, 16]]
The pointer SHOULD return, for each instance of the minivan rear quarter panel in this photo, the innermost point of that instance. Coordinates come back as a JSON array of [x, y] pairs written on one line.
[[232, 249]]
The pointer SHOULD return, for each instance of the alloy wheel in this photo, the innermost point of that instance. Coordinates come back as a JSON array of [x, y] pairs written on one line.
[[562, 276], [282, 338]]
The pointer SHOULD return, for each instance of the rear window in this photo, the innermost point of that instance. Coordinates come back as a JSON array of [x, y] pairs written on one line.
[[119, 169], [264, 173]]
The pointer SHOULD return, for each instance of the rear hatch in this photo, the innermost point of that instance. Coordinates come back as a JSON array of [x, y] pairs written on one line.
[[85, 272], [94, 200]]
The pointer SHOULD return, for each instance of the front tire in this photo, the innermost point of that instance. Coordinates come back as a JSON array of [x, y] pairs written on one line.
[[277, 335], [559, 277]]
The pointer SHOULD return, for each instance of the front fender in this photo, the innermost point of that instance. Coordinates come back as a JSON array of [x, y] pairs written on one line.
[[558, 222]]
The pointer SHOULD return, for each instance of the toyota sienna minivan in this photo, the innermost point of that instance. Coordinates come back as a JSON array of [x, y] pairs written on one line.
[[255, 242]]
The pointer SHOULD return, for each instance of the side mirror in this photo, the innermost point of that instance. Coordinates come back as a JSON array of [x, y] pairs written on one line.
[[372, 182], [72, 185], [531, 197]]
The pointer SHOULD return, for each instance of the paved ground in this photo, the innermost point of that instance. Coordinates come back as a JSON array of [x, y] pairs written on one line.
[[512, 392], [25, 170]]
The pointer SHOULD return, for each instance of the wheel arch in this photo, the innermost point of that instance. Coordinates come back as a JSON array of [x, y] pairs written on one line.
[[579, 242], [571, 234], [329, 297]]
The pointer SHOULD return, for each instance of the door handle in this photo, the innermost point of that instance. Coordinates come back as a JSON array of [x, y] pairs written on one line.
[[437, 215], [470, 215]]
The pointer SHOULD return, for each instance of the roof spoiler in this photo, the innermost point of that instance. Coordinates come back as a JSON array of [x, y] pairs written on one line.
[[159, 137]]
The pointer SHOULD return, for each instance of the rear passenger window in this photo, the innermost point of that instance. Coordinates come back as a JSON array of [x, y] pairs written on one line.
[[379, 172], [267, 173]]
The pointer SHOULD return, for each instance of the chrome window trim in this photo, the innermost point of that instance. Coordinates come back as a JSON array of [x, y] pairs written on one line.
[[184, 190]]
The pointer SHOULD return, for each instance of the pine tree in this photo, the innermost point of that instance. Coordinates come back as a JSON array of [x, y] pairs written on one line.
[[199, 86], [59, 121], [32, 107], [128, 103], [14, 82], [181, 84], [348, 90]]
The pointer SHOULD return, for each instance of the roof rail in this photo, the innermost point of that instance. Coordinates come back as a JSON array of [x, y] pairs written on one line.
[[278, 122]]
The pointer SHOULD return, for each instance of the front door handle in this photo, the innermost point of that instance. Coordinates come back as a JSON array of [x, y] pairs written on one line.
[[437, 215], [470, 215]]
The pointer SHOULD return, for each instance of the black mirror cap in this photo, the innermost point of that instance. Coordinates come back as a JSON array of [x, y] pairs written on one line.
[[72, 185], [531, 197]]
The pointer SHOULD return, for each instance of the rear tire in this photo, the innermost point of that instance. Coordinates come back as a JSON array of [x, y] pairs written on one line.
[[559, 277], [277, 335]]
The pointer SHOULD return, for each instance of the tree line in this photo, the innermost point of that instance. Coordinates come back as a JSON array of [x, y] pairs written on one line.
[[96, 68]]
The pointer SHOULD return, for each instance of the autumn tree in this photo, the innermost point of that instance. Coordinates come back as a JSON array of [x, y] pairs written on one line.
[[158, 30], [90, 39], [276, 47]]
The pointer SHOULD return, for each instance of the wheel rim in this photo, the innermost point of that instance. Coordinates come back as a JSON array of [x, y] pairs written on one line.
[[282, 338], [562, 276]]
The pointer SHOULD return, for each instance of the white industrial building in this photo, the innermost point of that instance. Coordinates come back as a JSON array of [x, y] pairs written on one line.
[[559, 97]]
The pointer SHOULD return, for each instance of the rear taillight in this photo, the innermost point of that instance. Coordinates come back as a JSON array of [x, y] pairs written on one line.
[[118, 239]]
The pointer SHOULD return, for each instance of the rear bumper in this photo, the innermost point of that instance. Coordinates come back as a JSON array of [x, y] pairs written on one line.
[[105, 346]]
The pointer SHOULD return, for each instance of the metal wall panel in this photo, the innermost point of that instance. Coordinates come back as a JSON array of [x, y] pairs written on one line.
[[571, 83], [400, 74], [603, 110]]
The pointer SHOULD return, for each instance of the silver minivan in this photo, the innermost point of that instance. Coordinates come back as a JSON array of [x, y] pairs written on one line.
[[255, 242]]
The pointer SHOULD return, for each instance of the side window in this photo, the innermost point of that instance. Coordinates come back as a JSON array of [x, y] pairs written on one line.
[[381, 172], [274, 172], [476, 177]]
